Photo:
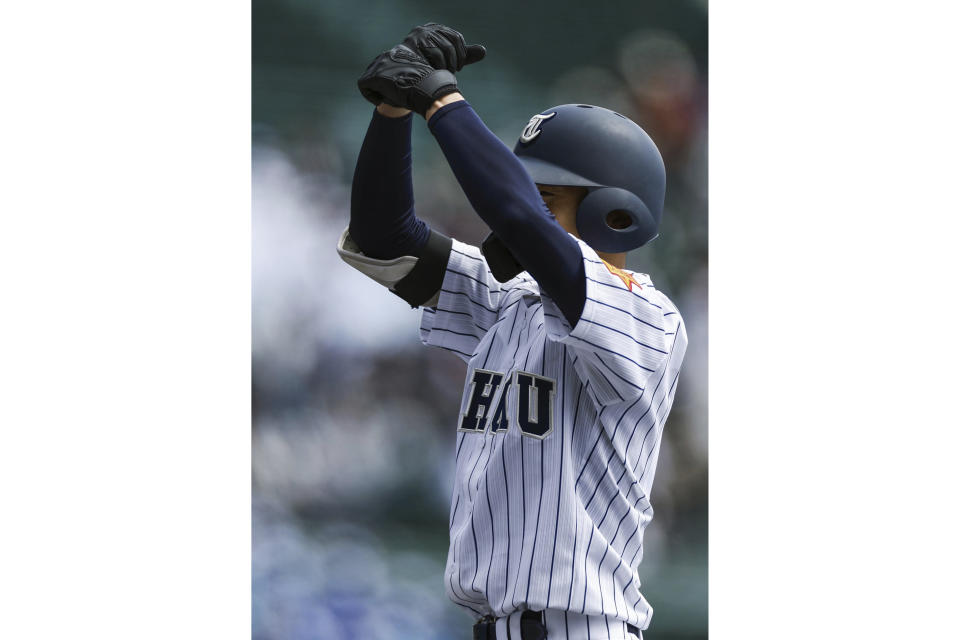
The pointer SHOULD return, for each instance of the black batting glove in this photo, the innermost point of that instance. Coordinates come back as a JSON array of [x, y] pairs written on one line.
[[403, 78], [443, 47]]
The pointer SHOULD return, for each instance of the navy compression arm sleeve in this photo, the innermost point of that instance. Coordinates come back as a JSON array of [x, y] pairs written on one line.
[[382, 219], [505, 197]]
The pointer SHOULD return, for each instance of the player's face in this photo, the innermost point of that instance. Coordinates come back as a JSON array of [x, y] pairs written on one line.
[[563, 202]]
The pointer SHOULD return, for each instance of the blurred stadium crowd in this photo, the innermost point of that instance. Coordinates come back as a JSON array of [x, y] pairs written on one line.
[[354, 420]]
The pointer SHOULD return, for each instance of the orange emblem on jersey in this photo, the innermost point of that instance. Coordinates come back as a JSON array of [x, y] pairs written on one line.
[[628, 280]]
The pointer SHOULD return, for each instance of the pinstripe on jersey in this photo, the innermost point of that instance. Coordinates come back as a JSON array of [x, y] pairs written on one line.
[[555, 521]]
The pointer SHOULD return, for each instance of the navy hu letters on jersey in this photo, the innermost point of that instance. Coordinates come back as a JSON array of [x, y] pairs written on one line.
[[534, 410], [482, 388], [534, 404]]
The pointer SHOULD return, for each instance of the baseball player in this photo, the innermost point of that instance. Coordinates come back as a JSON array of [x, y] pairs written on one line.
[[572, 361]]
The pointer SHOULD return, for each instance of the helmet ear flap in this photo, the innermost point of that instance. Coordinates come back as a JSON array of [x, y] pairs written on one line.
[[595, 230]]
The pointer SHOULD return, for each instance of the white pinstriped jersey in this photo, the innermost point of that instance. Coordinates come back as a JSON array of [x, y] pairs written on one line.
[[558, 437]]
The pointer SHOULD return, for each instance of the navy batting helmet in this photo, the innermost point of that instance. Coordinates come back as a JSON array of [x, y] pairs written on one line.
[[582, 145]]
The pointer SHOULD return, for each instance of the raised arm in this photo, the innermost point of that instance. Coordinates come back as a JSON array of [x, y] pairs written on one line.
[[385, 239], [382, 218], [505, 197]]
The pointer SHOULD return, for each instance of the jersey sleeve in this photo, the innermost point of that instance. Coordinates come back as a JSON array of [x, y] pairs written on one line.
[[467, 306], [625, 332]]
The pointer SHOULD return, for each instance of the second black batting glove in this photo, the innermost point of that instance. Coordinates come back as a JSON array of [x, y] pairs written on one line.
[[403, 78], [443, 47]]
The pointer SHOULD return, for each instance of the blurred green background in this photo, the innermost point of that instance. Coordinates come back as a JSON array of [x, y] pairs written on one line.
[[352, 472]]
